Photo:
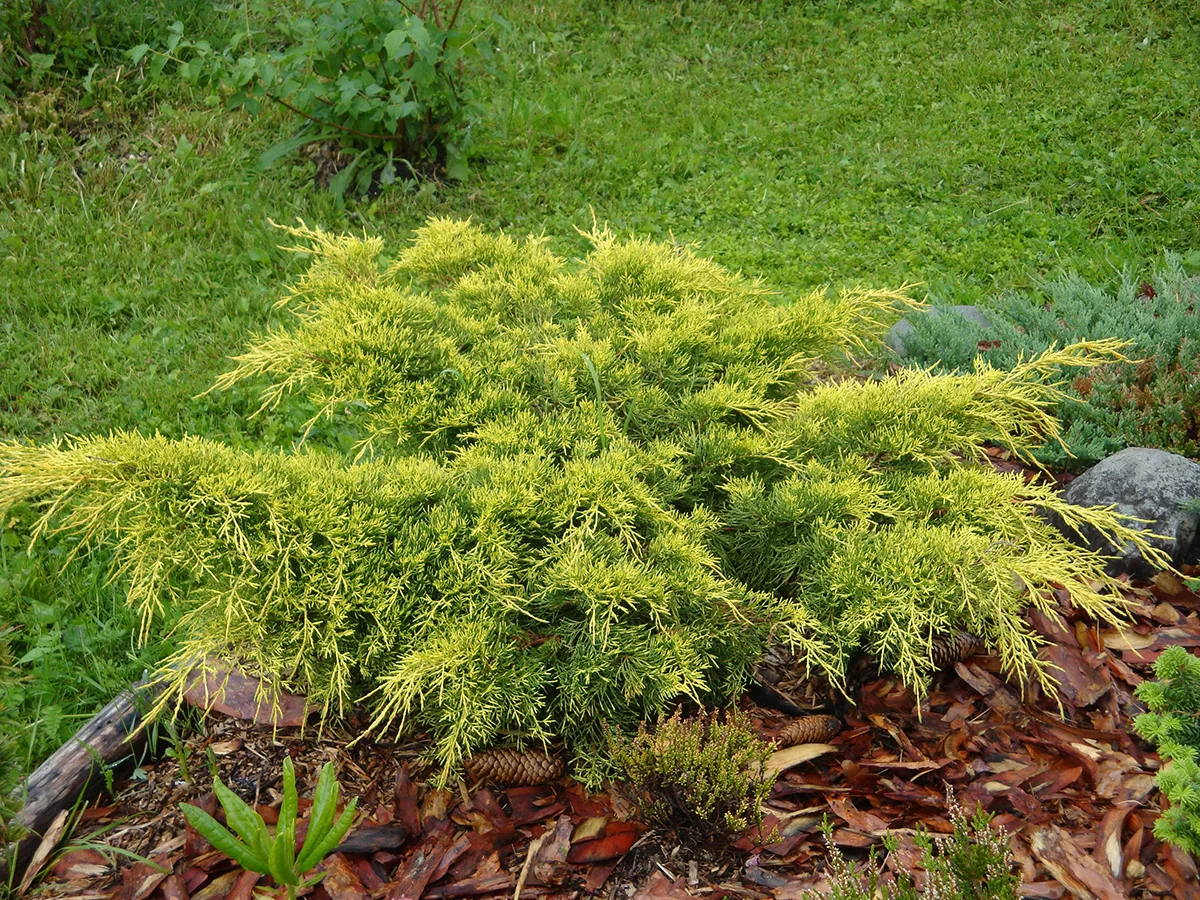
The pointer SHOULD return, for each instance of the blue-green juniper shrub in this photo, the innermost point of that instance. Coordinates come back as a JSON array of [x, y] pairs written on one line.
[[1151, 400]]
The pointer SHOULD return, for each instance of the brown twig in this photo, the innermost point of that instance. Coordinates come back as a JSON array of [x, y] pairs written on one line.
[[346, 128], [33, 31]]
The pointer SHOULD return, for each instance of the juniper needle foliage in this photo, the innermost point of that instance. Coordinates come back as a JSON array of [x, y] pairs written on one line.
[[1153, 401], [583, 490]]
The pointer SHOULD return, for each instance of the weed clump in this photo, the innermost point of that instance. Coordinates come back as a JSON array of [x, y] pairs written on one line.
[[581, 491], [702, 775], [1173, 726]]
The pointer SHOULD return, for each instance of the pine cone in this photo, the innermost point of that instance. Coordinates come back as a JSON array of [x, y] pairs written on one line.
[[951, 648], [809, 730], [512, 767]]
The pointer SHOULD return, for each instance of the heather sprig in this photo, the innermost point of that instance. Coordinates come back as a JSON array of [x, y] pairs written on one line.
[[974, 862], [701, 774]]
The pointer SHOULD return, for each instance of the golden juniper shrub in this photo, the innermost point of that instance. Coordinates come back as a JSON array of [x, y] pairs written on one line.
[[700, 774], [584, 491]]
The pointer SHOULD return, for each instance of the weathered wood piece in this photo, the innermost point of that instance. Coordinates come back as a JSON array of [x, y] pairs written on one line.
[[109, 736]]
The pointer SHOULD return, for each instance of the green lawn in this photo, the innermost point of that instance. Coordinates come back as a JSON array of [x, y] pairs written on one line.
[[968, 145]]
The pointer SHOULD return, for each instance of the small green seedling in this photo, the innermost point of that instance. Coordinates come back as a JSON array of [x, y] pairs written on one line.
[[256, 850]]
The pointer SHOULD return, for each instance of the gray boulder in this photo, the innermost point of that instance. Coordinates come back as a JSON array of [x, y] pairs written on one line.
[[904, 329], [1145, 484]]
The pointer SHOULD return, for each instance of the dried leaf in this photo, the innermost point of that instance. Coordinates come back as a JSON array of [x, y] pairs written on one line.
[[227, 690], [596, 877], [1078, 872], [618, 838], [1182, 870], [1108, 839], [218, 887], [1165, 613], [1168, 584], [373, 838], [404, 803], [994, 694], [434, 805], [340, 881], [589, 829], [1126, 639], [45, 847], [782, 760], [865, 822], [550, 862], [77, 865], [173, 889], [243, 888], [533, 803], [416, 872], [140, 881], [1080, 682], [472, 887], [659, 887]]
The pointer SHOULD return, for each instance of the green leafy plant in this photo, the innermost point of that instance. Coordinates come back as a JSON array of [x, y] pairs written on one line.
[[384, 80], [1173, 726], [702, 774], [974, 862], [74, 38], [582, 491], [27, 34], [253, 848], [8, 730], [1152, 400]]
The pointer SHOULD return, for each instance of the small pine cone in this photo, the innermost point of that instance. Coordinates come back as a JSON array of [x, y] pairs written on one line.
[[951, 648], [512, 767], [809, 730]]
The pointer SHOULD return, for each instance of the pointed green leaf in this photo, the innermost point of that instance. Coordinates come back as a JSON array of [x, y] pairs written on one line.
[[397, 44], [324, 808], [286, 828], [272, 154], [339, 182], [242, 819], [217, 835], [331, 839], [282, 869], [456, 164]]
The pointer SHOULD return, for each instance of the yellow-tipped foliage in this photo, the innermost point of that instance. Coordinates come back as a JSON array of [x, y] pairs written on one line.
[[583, 491]]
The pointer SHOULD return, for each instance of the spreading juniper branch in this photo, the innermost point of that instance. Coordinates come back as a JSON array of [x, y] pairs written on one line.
[[596, 487]]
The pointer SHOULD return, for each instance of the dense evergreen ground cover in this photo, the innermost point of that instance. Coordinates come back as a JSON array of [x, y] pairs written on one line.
[[973, 146]]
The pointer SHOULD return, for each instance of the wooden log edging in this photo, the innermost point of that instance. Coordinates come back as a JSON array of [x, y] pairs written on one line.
[[57, 784]]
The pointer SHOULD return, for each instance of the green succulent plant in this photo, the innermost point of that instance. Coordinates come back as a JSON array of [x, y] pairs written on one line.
[[253, 847]]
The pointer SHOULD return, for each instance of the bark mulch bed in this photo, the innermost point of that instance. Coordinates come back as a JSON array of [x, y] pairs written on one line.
[[1064, 775], [1074, 787]]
